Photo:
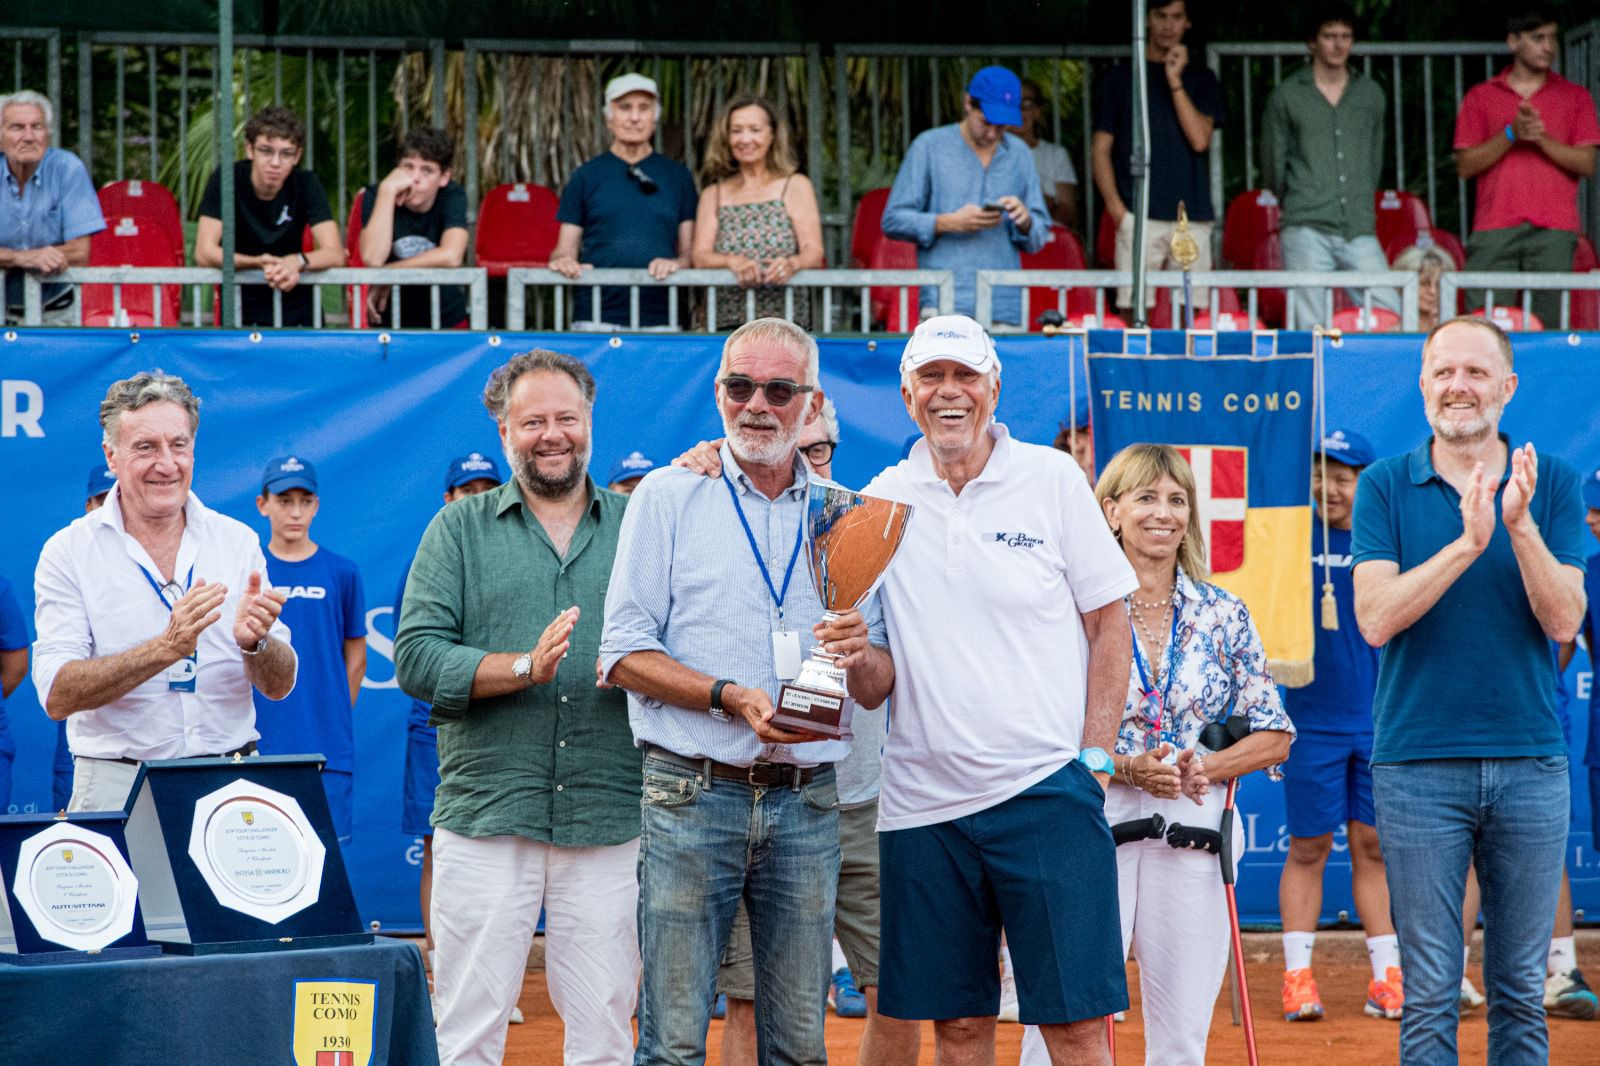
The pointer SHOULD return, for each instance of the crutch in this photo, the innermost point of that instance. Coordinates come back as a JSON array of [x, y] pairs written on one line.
[[1151, 828], [1216, 737]]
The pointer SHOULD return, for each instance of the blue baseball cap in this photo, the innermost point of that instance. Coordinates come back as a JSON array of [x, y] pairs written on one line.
[[474, 466], [1351, 449], [287, 472], [630, 466], [100, 480], [1591, 491], [998, 94]]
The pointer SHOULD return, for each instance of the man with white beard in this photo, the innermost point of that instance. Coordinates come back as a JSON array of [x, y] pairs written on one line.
[[709, 611], [1468, 561], [539, 780]]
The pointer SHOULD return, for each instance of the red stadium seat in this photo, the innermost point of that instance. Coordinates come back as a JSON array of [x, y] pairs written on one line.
[[131, 241], [1401, 217], [1271, 304], [1089, 320], [1105, 243], [1355, 320], [355, 296], [1161, 316], [1444, 240], [894, 255], [1585, 302], [151, 200], [1511, 319], [1251, 215], [1063, 251], [517, 227], [867, 230], [1227, 321]]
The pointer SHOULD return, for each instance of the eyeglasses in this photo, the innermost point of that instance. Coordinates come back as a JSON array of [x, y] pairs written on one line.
[[647, 184], [820, 452], [1152, 710], [779, 391]]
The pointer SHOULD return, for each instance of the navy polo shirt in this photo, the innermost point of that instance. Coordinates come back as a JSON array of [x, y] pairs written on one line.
[[1470, 679]]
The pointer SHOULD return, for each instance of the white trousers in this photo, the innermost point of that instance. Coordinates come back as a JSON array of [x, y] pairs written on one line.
[[101, 784], [487, 892], [1175, 919]]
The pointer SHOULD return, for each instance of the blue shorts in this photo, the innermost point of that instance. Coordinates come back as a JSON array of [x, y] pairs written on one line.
[[1327, 782], [1042, 864], [1594, 805], [422, 781], [339, 785]]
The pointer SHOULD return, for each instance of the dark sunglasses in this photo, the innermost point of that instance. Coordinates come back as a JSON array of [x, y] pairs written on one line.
[[779, 390], [820, 452], [647, 184]]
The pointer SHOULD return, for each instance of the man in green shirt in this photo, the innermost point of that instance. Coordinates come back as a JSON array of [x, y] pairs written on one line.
[[538, 799], [1322, 154]]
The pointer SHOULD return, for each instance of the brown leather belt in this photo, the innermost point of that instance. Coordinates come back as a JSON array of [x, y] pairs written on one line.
[[763, 774]]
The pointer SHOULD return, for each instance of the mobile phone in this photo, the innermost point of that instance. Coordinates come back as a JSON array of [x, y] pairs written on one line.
[[993, 207]]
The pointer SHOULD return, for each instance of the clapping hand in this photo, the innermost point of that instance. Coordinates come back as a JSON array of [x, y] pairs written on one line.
[[195, 610], [1528, 125], [1193, 781], [258, 610], [552, 646], [1519, 488], [1477, 510]]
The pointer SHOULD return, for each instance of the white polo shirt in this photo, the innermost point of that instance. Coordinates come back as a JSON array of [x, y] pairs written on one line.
[[983, 606], [92, 599]]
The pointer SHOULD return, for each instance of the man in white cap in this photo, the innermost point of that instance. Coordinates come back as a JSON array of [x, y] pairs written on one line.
[[991, 812], [627, 207]]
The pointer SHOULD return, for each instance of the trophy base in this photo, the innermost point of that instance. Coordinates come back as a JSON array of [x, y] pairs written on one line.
[[825, 713]]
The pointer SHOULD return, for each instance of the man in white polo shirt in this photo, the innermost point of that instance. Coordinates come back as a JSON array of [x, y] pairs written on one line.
[[128, 597], [1011, 649]]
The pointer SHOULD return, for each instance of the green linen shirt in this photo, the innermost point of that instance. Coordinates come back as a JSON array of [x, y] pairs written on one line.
[[555, 762], [1324, 162]]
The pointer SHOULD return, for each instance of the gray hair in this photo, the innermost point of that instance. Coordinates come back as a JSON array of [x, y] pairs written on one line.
[[1418, 256], [780, 331], [29, 98], [497, 393], [830, 419], [147, 387]]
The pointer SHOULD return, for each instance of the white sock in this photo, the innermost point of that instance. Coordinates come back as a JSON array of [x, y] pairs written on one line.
[[1383, 952], [1563, 956], [1005, 961], [1466, 953], [839, 962], [1297, 950]]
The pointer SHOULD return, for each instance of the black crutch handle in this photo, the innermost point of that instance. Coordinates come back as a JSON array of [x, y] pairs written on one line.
[[1194, 838], [1149, 828]]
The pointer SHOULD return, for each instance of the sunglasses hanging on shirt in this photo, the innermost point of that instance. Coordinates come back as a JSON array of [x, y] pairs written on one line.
[[647, 184]]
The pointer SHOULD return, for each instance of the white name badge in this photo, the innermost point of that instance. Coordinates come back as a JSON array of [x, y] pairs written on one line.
[[180, 675], [785, 654]]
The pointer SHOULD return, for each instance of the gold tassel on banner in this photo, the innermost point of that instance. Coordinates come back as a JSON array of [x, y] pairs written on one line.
[[1297, 674], [1330, 607]]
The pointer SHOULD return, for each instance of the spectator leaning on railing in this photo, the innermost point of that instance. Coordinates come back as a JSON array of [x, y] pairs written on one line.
[[47, 211], [416, 217], [1527, 135], [1322, 154]]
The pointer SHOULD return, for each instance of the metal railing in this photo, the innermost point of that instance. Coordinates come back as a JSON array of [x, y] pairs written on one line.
[[834, 286], [201, 279], [1487, 283], [1251, 282]]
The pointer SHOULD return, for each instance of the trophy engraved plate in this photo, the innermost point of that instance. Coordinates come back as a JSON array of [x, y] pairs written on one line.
[[850, 541], [76, 887], [257, 851]]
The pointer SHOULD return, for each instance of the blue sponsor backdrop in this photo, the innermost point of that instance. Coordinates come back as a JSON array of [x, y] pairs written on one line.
[[380, 421]]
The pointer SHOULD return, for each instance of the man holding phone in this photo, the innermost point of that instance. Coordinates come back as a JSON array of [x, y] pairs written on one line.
[[968, 196]]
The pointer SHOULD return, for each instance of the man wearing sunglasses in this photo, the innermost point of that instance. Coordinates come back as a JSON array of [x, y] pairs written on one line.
[[709, 610], [627, 207]]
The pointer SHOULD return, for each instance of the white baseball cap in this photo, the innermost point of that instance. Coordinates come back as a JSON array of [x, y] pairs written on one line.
[[950, 337], [624, 84]]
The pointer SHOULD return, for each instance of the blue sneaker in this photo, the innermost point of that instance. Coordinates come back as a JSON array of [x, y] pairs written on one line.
[[847, 1000], [1567, 995], [719, 1009]]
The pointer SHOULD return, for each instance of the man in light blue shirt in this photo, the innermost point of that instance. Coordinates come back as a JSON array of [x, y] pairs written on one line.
[[968, 195], [48, 207], [709, 609]]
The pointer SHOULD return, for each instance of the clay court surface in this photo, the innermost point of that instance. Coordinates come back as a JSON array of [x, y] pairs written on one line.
[[1346, 1037]]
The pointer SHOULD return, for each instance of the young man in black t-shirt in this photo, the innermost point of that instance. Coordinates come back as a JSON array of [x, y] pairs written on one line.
[[274, 203], [416, 217]]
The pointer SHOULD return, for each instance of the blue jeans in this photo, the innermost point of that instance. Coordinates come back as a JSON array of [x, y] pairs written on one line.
[[1509, 817], [700, 849], [1305, 248]]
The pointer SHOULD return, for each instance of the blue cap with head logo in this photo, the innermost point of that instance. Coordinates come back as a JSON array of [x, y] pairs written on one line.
[[288, 472], [998, 94], [100, 480], [630, 466], [474, 466], [1591, 493], [1351, 449]]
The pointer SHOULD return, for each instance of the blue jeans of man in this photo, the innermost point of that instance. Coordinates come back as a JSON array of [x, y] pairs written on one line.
[[702, 848], [1306, 248], [1509, 818]]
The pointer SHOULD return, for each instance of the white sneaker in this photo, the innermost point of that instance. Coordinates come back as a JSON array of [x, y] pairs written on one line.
[[1008, 997], [1471, 998], [1120, 1016], [516, 1016]]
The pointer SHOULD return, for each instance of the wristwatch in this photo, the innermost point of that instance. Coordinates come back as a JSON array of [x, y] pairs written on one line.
[[522, 667], [717, 709], [261, 646], [305, 263], [1096, 760]]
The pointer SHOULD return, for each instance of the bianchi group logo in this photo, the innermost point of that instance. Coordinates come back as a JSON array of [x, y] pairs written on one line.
[[1016, 540]]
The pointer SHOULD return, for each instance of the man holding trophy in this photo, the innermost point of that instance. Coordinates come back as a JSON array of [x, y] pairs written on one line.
[[707, 620]]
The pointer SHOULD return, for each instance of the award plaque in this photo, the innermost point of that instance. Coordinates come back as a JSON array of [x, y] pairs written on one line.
[[256, 850], [75, 887], [850, 541]]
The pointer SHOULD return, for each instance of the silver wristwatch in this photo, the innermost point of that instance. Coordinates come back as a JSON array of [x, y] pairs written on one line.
[[522, 666], [260, 647]]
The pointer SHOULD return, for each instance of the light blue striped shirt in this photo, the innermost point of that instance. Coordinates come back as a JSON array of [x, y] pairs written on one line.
[[685, 583]]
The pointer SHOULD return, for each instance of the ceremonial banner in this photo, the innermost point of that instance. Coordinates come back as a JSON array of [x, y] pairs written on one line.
[[1244, 422]]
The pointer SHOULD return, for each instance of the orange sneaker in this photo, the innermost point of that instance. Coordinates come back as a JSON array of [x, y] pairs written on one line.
[[1300, 1000], [1385, 998]]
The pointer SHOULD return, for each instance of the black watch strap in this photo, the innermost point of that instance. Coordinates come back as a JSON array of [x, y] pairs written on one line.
[[717, 709]]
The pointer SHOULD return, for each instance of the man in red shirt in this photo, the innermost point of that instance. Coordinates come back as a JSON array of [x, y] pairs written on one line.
[[1528, 135]]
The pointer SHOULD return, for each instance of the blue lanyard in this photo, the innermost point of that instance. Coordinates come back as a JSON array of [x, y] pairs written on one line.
[[778, 596], [161, 590], [1139, 660]]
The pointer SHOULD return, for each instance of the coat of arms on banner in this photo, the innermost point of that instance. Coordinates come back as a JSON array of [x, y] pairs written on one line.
[[1221, 494], [334, 1022]]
